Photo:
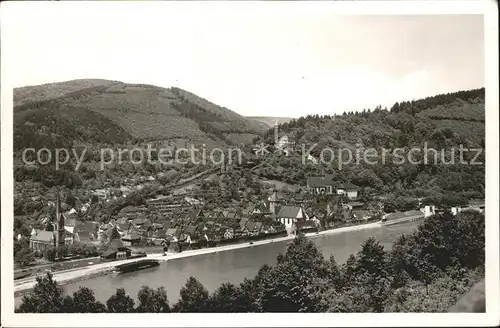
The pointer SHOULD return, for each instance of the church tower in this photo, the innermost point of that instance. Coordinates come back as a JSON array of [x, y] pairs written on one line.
[[59, 229]]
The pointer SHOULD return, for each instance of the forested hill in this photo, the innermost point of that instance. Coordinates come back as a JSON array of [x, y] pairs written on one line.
[[448, 119], [441, 122], [102, 111]]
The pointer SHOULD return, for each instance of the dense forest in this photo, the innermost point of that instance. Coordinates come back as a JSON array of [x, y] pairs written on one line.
[[443, 123]]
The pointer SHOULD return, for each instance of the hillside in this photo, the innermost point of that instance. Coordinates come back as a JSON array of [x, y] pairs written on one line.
[[115, 112], [270, 121], [442, 122]]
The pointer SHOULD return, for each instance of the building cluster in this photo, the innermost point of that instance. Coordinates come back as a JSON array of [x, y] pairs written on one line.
[[177, 222]]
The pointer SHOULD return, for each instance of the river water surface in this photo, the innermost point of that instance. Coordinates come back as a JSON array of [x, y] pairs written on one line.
[[230, 266]]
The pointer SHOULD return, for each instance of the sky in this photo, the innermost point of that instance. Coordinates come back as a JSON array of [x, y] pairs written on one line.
[[264, 63]]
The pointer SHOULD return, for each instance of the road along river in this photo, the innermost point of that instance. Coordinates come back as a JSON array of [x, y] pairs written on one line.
[[214, 266]]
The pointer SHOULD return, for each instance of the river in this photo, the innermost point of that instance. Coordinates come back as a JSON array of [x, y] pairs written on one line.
[[230, 266]]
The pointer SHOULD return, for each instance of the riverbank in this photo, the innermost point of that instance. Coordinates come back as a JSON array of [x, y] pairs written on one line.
[[78, 274]]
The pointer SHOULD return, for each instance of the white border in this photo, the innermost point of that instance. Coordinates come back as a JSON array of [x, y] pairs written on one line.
[[487, 7]]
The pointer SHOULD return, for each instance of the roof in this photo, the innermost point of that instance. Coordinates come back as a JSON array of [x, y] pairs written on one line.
[[313, 182], [299, 196], [139, 221], [262, 207], [70, 222], [476, 202], [348, 186], [171, 231], [250, 208], [355, 204], [43, 236], [115, 244], [112, 233], [132, 236], [87, 226], [123, 226], [85, 235], [258, 225], [289, 211], [190, 229], [250, 225], [243, 222], [229, 214], [193, 215], [161, 233]]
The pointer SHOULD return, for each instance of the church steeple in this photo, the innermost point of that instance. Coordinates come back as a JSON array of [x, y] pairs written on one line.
[[59, 223]]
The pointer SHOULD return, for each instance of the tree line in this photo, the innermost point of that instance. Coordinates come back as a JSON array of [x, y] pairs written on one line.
[[426, 271]]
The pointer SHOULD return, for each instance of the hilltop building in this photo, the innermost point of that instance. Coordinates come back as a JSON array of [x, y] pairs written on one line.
[[321, 185]]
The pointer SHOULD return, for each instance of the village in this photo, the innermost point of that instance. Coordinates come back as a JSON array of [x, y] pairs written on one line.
[[183, 223]]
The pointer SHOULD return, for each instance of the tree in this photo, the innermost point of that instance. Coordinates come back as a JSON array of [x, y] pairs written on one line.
[[46, 297], [334, 274], [227, 298], [152, 300], [120, 302], [297, 279], [371, 277], [397, 262], [83, 301], [24, 256], [371, 258], [194, 297]]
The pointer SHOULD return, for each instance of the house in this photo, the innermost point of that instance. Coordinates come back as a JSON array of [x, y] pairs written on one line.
[[139, 222], [131, 239], [258, 226], [261, 208], [428, 210], [347, 215], [251, 228], [269, 228], [229, 214], [355, 205], [473, 205], [116, 251], [42, 240], [285, 144], [193, 216], [348, 189], [321, 185], [171, 232], [289, 215], [315, 220], [298, 199], [86, 231], [361, 215], [160, 233], [190, 231], [229, 233], [243, 223]]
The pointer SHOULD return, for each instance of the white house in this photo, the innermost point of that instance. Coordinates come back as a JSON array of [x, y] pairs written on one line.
[[347, 189], [289, 215], [428, 210]]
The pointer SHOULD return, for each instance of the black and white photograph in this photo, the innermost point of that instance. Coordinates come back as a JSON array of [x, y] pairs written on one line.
[[249, 163]]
